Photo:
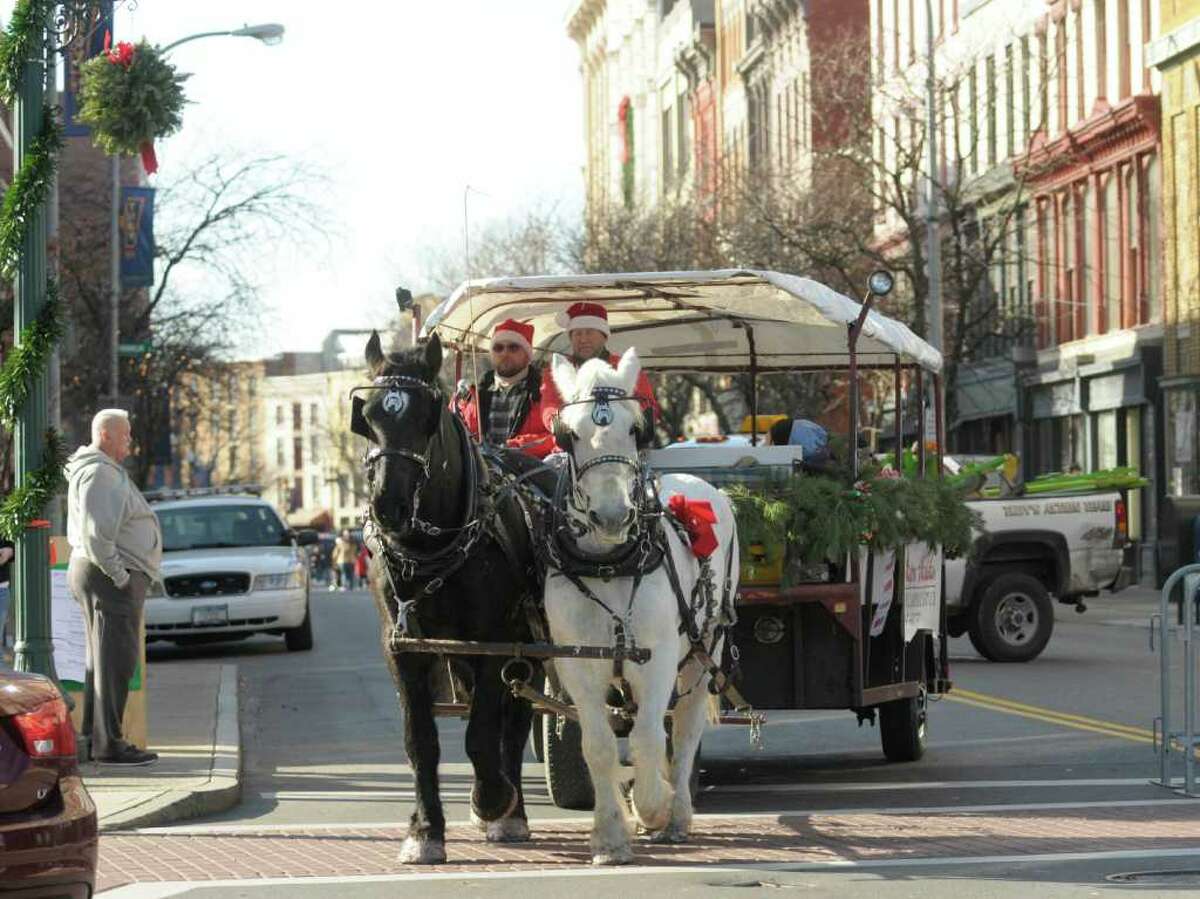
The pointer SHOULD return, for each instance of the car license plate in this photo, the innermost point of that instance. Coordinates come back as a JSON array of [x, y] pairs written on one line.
[[210, 615]]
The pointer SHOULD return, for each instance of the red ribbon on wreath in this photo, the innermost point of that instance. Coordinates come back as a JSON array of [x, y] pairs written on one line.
[[697, 517]]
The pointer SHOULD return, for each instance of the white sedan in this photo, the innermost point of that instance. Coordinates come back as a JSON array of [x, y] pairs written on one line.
[[230, 568]]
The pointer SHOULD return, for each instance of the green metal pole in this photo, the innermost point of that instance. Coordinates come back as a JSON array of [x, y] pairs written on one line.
[[31, 584]]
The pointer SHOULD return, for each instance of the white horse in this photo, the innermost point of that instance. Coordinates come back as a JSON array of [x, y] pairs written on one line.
[[604, 507]]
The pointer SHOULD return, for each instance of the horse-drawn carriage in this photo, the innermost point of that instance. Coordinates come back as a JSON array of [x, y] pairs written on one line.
[[635, 622], [820, 645]]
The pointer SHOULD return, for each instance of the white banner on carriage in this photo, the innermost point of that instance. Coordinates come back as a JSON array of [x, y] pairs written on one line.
[[922, 589], [883, 586]]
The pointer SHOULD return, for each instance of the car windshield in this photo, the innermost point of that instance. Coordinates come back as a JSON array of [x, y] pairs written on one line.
[[217, 527]]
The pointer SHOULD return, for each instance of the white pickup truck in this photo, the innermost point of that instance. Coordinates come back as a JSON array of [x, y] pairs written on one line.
[[1034, 548]]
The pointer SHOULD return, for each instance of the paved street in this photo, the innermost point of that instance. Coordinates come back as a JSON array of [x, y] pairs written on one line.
[[1035, 773]]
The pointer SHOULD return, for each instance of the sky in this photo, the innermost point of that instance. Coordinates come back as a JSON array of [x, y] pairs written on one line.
[[402, 104]]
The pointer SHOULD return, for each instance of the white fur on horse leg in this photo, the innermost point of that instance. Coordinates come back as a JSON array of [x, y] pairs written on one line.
[[652, 794], [625, 773], [687, 727], [587, 683], [422, 851]]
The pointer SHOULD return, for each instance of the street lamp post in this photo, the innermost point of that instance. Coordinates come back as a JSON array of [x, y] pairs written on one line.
[[270, 34]]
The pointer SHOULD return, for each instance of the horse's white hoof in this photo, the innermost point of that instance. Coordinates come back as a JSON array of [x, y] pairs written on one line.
[[422, 851], [618, 855]]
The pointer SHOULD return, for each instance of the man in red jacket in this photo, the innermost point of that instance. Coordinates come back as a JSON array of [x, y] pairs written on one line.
[[587, 327], [508, 407]]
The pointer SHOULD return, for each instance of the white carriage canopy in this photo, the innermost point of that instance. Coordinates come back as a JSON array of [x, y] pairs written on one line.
[[699, 321]]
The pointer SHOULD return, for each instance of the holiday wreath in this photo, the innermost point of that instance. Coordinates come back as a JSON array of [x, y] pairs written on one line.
[[131, 96]]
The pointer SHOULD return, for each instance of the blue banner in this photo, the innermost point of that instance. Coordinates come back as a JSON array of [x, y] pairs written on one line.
[[137, 236], [88, 42]]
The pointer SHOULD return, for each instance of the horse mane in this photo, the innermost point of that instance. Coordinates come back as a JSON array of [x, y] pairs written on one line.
[[592, 374], [409, 361]]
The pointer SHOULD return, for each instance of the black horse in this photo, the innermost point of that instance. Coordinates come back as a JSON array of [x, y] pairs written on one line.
[[452, 559]]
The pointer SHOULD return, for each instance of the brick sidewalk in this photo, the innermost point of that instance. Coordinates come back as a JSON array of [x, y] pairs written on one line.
[[817, 838]]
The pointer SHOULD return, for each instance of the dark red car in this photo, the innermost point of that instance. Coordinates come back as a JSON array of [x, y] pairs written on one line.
[[48, 835]]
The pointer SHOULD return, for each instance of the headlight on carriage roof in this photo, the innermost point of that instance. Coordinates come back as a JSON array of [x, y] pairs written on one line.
[[289, 580]]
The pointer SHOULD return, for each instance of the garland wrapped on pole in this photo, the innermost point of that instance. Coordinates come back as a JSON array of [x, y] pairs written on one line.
[[37, 327]]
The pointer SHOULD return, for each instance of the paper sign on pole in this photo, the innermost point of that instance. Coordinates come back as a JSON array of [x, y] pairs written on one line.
[[66, 623], [922, 589]]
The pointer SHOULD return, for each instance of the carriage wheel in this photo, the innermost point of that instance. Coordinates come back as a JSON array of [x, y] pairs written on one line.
[[903, 727], [567, 776]]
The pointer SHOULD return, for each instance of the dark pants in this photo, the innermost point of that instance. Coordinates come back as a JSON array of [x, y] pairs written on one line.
[[347, 572], [113, 620]]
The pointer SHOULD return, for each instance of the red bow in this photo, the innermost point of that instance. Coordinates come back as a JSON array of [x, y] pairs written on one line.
[[697, 517], [122, 55]]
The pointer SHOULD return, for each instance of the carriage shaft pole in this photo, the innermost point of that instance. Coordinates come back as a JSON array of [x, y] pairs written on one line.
[[517, 650]]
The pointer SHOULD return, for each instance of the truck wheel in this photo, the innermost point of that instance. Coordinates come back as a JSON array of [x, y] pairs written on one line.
[[567, 777], [904, 727], [1013, 620]]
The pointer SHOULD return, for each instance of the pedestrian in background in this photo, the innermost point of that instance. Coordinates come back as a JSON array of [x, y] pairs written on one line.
[[116, 551], [360, 565], [6, 556], [344, 554]]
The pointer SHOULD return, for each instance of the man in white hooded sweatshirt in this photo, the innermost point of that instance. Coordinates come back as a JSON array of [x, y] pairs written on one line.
[[116, 550]]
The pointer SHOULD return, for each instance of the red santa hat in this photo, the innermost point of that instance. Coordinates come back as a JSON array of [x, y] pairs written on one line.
[[584, 315], [517, 332]]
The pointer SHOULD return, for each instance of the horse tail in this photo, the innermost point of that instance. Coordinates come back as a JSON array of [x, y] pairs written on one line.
[[713, 706]]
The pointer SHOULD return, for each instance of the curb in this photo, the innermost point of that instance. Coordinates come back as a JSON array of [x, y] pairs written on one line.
[[224, 787]]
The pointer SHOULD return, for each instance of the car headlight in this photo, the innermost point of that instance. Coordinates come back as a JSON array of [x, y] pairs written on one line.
[[155, 590], [289, 580]]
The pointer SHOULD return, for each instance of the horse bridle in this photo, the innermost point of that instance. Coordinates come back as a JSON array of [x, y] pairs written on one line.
[[394, 384], [602, 416]]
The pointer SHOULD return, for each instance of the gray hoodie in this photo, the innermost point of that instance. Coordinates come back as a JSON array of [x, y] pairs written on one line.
[[108, 519]]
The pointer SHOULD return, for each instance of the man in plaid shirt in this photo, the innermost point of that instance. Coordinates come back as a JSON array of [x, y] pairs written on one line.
[[507, 408]]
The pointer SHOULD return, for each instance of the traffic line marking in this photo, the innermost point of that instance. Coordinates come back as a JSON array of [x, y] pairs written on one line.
[[1051, 716]]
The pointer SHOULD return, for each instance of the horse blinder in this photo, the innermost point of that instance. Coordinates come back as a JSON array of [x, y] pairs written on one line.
[[358, 421], [563, 436]]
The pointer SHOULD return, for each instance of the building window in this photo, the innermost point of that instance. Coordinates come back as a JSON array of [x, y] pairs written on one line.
[[990, 75], [297, 417], [1123, 50], [1153, 203], [279, 415], [1101, 49], [297, 494], [912, 32], [314, 414], [314, 449], [1043, 83], [880, 46], [1010, 106], [233, 460], [297, 453], [1087, 221], [341, 486], [682, 130], [668, 168], [1080, 80], [1112, 255], [314, 484], [279, 460], [895, 35], [1026, 90], [1062, 80], [973, 113]]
